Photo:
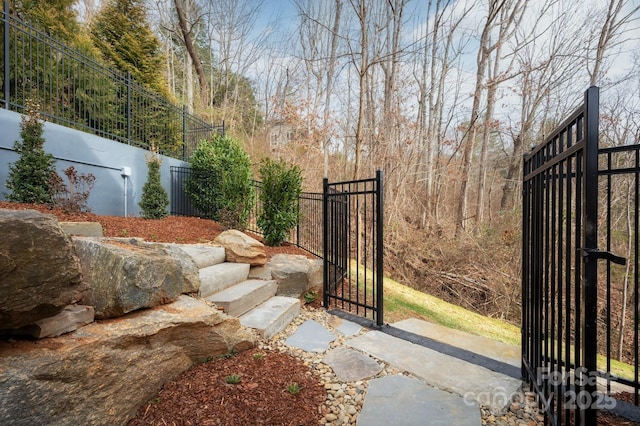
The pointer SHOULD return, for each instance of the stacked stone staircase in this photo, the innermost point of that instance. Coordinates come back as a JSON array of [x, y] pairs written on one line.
[[252, 301]]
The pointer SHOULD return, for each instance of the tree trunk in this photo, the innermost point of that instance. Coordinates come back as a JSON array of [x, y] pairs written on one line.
[[193, 54], [362, 79], [329, 88]]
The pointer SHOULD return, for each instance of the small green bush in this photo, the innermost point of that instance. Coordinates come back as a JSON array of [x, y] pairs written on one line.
[[294, 388], [220, 182], [30, 177], [233, 379], [154, 197], [281, 188]]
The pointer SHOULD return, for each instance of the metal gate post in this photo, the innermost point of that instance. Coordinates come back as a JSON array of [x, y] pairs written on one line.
[[589, 300], [379, 249], [325, 236]]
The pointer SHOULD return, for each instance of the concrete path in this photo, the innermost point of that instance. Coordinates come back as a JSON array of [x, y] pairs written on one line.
[[452, 371]]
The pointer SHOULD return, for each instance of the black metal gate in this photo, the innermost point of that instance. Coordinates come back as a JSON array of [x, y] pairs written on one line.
[[562, 304], [180, 203], [353, 247]]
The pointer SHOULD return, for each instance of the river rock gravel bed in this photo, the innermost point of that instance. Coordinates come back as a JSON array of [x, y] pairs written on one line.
[[344, 400]]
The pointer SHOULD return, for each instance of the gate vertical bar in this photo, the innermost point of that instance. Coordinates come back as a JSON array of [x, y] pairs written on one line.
[[379, 249], [7, 57], [589, 300]]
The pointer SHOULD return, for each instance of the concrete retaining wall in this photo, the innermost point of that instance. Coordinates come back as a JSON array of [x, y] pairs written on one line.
[[88, 153]]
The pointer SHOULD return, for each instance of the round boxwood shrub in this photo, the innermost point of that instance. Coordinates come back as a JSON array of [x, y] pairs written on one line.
[[220, 182]]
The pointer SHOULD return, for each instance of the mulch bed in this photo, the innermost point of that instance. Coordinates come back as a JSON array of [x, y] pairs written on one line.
[[264, 395]]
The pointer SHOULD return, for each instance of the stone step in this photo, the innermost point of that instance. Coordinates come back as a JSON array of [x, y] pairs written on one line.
[[203, 255], [272, 316], [242, 297], [221, 276]]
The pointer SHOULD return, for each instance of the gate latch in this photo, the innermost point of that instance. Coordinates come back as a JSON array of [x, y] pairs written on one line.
[[607, 255]]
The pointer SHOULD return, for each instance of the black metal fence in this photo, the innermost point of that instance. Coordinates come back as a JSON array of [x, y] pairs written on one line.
[[307, 235], [567, 318], [180, 203], [619, 301], [353, 252], [73, 89]]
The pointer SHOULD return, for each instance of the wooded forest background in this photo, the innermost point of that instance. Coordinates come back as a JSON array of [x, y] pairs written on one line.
[[444, 96]]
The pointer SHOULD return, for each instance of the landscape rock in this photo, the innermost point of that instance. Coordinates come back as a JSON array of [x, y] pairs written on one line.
[[104, 372], [187, 265], [260, 273], [82, 229], [316, 268], [203, 255], [295, 274], [124, 275], [241, 248], [39, 271], [350, 365], [70, 319]]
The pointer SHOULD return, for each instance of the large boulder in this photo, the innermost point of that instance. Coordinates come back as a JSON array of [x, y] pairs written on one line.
[[70, 319], [295, 274], [39, 271], [241, 248], [124, 275], [102, 373]]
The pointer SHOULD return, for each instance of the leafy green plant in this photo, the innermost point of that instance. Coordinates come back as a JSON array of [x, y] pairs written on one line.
[[259, 356], [154, 197], [219, 185], [30, 177], [207, 359], [281, 188], [229, 354], [294, 388], [233, 379], [72, 198], [310, 296]]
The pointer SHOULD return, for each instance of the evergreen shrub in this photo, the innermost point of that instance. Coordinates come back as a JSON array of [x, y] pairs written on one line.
[[219, 185], [30, 177], [154, 197], [281, 188]]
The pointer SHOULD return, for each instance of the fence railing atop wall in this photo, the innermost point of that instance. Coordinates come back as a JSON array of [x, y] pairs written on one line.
[[307, 235], [73, 89]]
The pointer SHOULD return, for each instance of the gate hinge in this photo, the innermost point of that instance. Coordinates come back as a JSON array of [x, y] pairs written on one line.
[[607, 255]]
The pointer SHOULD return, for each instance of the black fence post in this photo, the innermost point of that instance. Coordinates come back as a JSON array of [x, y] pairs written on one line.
[[379, 249], [7, 56], [325, 251], [590, 240], [298, 225]]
